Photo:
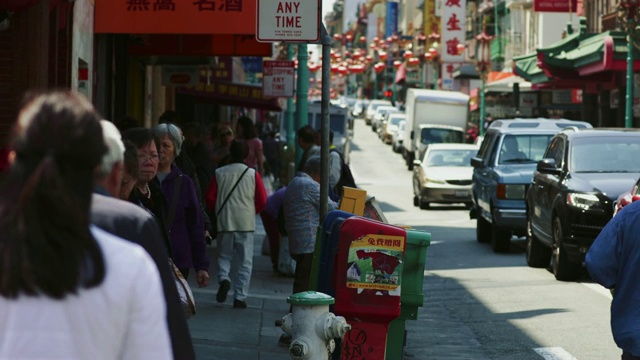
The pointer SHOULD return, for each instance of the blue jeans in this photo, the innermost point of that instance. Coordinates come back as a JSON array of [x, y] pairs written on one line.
[[242, 244], [628, 356]]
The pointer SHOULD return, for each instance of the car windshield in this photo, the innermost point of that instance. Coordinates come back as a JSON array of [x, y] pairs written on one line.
[[395, 121], [437, 136], [450, 157], [522, 148], [605, 154]]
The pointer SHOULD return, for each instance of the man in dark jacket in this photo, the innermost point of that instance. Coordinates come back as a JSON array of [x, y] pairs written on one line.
[[132, 223]]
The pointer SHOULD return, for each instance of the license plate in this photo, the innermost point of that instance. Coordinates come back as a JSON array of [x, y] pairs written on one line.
[[461, 193]]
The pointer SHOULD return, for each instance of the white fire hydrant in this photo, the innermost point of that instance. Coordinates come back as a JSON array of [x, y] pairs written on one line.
[[311, 326]]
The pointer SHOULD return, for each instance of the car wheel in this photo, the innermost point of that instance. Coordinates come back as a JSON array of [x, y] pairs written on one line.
[[500, 239], [563, 269], [538, 255], [416, 201], [424, 205], [483, 230]]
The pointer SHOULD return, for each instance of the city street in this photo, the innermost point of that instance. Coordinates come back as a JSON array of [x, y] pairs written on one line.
[[478, 304]]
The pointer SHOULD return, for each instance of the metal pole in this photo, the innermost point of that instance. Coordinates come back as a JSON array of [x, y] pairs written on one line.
[[435, 75], [482, 104], [302, 117], [324, 128], [290, 109], [628, 120], [393, 96]]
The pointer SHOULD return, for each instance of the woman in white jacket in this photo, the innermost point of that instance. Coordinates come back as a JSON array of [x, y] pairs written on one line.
[[68, 290]]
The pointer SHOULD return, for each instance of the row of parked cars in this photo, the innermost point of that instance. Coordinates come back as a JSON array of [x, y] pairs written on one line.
[[556, 182]]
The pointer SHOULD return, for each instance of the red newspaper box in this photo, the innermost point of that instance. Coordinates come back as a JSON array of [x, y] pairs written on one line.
[[368, 280]]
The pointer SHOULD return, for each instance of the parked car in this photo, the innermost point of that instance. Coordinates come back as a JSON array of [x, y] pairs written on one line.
[[398, 137], [357, 110], [379, 115], [373, 106], [571, 197], [502, 173], [391, 126], [443, 175], [627, 197]]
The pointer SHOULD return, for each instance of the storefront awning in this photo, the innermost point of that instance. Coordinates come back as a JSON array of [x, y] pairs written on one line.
[[198, 45], [506, 85], [466, 71], [580, 60], [232, 95]]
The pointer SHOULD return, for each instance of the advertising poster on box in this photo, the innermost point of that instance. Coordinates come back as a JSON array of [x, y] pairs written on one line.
[[375, 263]]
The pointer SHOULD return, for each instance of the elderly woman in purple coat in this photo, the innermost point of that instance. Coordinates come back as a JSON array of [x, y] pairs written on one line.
[[184, 217]]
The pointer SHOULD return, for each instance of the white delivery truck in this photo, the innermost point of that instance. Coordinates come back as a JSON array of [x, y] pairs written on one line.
[[433, 116]]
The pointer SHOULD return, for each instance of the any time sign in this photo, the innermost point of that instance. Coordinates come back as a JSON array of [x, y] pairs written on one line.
[[277, 78], [295, 21]]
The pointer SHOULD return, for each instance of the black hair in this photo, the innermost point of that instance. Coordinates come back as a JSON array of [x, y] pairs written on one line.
[[248, 128], [131, 162], [139, 136], [307, 134], [46, 247], [238, 150]]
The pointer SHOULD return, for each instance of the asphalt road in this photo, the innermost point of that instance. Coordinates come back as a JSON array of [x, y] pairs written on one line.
[[481, 305]]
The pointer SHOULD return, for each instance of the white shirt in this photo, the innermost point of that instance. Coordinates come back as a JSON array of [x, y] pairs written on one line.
[[122, 318]]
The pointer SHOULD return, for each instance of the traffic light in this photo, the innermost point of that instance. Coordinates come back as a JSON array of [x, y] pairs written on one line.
[[388, 93]]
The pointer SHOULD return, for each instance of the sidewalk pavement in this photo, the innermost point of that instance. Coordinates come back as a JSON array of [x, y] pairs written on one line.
[[222, 332]]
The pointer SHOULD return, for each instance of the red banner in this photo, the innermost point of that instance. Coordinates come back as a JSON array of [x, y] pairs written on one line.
[[555, 5], [200, 45], [175, 17]]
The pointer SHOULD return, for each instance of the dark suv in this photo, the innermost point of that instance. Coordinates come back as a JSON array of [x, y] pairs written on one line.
[[571, 196], [502, 172]]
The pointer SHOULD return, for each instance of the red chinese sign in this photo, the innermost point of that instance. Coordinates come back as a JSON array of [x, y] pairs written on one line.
[[175, 16], [555, 5], [453, 34]]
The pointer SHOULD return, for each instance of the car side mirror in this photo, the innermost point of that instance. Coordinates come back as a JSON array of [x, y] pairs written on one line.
[[548, 166], [476, 162]]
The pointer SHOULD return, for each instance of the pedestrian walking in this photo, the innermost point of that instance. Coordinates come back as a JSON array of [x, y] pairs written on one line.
[[132, 223], [185, 223], [247, 131], [69, 290], [220, 152], [269, 218], [613, 261], [237, 195], [307, 142]]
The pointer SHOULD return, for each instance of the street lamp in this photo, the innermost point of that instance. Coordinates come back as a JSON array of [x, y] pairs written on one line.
[[629, 18], [483, 65]]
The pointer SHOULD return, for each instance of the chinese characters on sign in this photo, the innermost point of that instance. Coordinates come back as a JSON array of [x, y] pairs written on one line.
[[281, 20], [278, 78], [453, 34], [174, 16], [446, 72]]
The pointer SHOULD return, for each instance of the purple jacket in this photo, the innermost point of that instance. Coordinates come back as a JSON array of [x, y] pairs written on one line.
[[188, 246]]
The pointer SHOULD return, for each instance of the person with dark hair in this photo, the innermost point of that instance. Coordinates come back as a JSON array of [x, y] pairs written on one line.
[[307, 142], [184, 213], [138, 226], [131, 170], [147, 192], [169, 116], [220, 151], [247, 131], [126, 123], [69, 289], [237, 194]]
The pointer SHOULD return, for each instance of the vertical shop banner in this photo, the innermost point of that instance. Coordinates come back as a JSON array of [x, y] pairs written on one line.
[[569, 6], [446, 74], [453, 30], [392, 19], [431, 19]]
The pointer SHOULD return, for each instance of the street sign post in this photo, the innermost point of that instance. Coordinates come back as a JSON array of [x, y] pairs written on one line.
[[278, 78], [293, 21]]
